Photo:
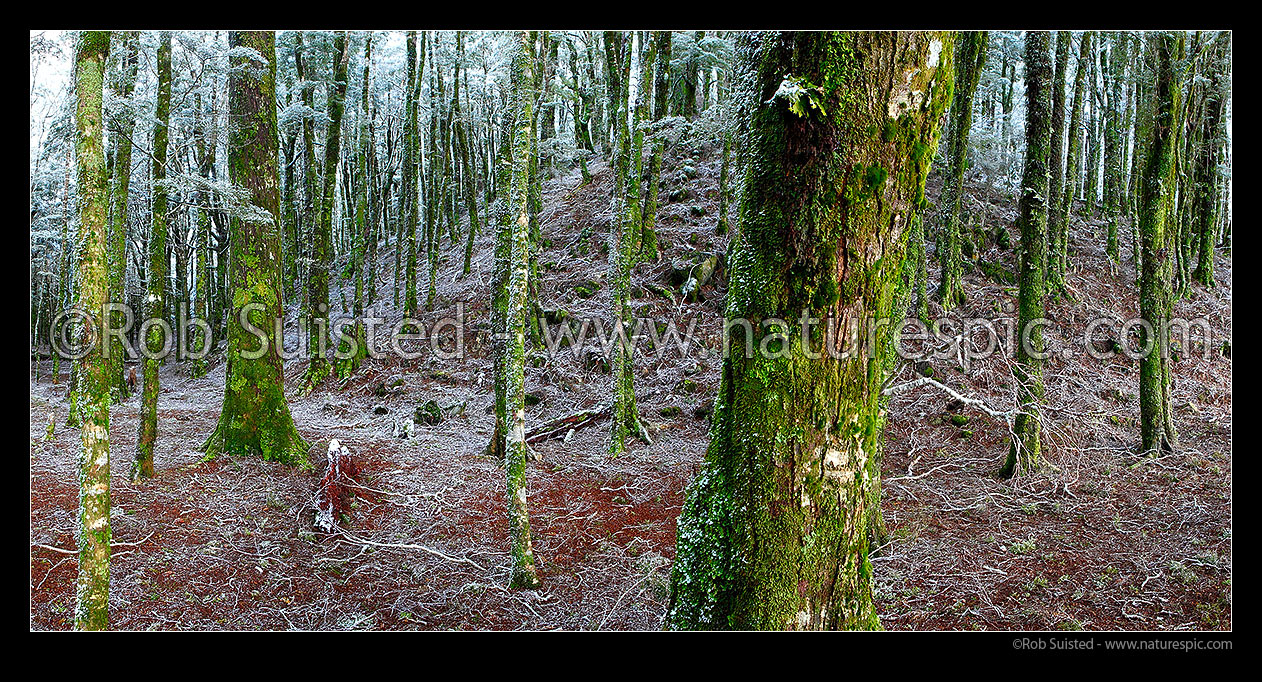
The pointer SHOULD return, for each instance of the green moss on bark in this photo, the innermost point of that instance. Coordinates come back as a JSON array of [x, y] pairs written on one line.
[[773, 534]]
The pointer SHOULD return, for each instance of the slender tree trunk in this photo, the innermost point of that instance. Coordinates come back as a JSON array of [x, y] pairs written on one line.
[[310, 187], [1054, 281], [322, 246], [773, 531], [1023, 455], [1058, 262], [1113, 146], [156, 300], [523, 566], [1207, 176], [624, 245], [970, 56], [126, 125], [408, 195], [92, 592]]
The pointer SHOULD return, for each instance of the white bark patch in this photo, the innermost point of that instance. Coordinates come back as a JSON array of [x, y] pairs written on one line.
[[837, 466], [935, 49]]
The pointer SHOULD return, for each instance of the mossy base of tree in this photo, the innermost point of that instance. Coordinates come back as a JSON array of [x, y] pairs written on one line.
[[246, 437]]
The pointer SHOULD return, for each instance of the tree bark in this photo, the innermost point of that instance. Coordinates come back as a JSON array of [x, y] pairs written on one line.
[[773, 531], [255, 418], [155, 307], [1023, 455], [92, 589]]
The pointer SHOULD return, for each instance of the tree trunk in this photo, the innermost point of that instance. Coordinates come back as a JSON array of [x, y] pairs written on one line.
[[1058, 260], [255, 419], [773, 532], [1155, 299], [322, 246], [126, 124], [1053, 278], [92, 593], [1023, 455], [970, 56], [156, 299], [523, 567]]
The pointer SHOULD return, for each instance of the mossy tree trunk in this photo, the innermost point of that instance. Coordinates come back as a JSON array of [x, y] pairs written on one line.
[[624, 238], [203, 287], [1058, 259], [1023, 454], [465, 151], [124, 125], [92, 588], [1207, 173], [661, 81], [1156, 196], [255, 418], [322, 238], [408, 195], [523, 559], [362, 225], [773, 533], [1113, 145], [1054, 280], [504, 217], [310, 186], [155, 299], [970, 56]]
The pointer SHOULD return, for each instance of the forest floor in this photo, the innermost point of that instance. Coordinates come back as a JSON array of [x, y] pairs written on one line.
[[1104, 539]]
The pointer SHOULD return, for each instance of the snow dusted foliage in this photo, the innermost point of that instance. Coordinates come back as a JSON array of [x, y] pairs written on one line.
[[997, 133]]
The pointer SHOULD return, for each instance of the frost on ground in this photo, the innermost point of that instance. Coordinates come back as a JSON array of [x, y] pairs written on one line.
[[1105, 540]]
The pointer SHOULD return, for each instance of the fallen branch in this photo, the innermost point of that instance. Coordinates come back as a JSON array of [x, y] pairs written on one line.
[[423, 548], [559, 426], [978, 403]]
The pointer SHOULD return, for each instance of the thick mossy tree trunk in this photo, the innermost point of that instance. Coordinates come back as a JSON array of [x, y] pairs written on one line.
[[92, 589], [1156, 198], [1058, 257], [1053, 278], [523, 558], [970, 56], [773, 534], [125, 124], [155, 299], [1023, 454], [255, 419], [322, 246]]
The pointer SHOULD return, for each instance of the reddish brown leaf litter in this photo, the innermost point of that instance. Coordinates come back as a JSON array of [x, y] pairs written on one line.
[[1105, 540]]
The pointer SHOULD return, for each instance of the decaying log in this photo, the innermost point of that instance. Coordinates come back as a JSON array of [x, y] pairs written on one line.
[[334, 495]]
